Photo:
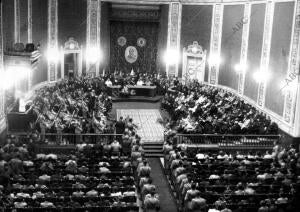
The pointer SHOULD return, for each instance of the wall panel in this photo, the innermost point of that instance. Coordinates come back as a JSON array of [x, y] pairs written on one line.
[[23, 21], [280, 48], [40, 36], [231, 45], [8, 23], [256, 32], [196, 26], [104, 37], [162, 38], [72, 21]]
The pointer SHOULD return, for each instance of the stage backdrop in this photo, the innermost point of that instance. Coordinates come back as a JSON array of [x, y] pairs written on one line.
[[133, 45]]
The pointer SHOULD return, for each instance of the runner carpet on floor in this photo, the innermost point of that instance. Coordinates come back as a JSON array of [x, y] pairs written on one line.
[[166, 199]]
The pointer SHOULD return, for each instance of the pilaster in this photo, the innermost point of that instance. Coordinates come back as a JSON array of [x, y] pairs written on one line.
[[2, 92], [52, 40], [17, 21], [291, 113], [173, 43], [265, 56], [215, 43], [93, 36], [244, 48], [29, 21]]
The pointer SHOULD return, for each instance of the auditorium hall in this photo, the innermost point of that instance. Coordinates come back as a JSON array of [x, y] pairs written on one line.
[[149, 105]]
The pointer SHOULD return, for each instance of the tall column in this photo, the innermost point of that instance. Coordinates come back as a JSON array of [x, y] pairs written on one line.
[[53, 52], [292, 93], [173, 43], [93, 37], [29, 21], [266, 47], [2, 109], [17, 21], [244, 48], [215, 43]]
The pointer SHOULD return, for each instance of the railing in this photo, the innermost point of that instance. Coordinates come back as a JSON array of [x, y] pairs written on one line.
[[64, 139], [229, 141]]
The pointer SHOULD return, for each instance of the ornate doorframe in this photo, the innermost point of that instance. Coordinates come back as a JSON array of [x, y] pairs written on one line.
[[71, 47]]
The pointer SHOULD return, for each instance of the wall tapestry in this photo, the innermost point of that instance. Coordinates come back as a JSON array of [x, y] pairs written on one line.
[[139, 52]]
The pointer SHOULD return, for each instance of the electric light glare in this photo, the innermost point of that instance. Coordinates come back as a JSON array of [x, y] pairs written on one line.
[[261, 76], [13, 75], [214, 60], [171, 56], [53, 55], [240, 67], [93, 54]]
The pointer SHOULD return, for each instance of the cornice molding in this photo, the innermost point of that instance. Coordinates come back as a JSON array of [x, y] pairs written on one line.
[[147, 2]]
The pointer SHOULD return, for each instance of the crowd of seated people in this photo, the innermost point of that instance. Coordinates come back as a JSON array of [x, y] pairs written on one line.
[[94, 177], [234, 181], [75, 105], [199, 108]]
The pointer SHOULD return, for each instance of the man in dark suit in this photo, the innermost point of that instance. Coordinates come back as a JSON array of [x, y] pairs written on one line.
[[120, 127]]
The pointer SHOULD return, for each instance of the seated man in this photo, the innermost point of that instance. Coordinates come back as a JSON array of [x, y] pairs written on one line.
[[197, 203], [116, 147], [108, 82], [147, 188], [151, 202], [190, 194], [140, 82], [144, 169]]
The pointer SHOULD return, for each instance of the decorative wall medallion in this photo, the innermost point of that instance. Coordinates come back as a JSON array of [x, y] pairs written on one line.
[[131, 54], [122, 41], [141, 42], [71, 44]]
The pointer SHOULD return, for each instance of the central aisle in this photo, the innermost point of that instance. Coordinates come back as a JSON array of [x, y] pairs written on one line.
[[167, 202], [147, 121]]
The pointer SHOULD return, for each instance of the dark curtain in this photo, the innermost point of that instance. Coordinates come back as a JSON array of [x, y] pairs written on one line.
[[146, 61]]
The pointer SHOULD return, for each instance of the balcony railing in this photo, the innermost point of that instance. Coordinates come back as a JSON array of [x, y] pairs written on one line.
[[228, 141], [70, 139]]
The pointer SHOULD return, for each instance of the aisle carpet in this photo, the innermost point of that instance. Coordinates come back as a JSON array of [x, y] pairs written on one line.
[[167, 201], [147, 121]]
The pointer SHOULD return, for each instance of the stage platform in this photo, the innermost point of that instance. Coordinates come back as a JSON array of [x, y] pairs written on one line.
[[137, 99], [147, 120]]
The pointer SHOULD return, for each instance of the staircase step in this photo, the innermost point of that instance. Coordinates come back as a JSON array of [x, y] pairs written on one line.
[[153, 143], [152, 147], [156, 155], [154, 150]]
